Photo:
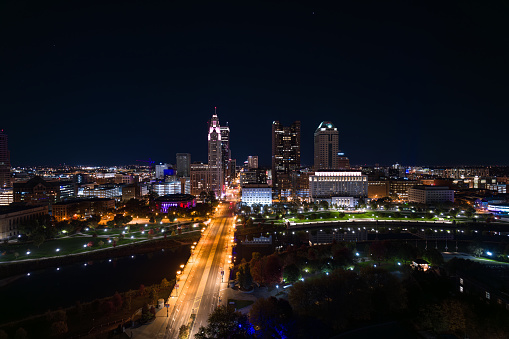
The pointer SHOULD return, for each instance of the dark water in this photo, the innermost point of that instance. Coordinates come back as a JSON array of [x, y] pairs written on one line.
[[62, 287]]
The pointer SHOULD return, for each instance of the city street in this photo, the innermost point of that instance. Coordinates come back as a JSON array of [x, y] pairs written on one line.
[[200, 285]]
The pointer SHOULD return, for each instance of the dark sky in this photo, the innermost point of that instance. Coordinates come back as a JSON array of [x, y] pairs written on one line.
[[112, 82]]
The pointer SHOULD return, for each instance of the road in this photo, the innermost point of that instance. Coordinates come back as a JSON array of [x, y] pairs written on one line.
[[203, 283]]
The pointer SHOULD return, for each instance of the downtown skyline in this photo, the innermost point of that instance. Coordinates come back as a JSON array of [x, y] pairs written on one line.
[[406, 83]]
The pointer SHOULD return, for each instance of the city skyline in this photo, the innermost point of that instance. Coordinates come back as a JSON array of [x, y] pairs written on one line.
[[403, 83]]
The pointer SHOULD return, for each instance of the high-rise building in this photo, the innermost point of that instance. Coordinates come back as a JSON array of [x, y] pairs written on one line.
[[252, 162], [215, 156], [183, 165], [199, 178], [225, 153], [5, 162], [160, 170], [285, 153], [326, 146]]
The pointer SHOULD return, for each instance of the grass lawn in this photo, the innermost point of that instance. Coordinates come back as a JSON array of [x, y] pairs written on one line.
[[72, 245]]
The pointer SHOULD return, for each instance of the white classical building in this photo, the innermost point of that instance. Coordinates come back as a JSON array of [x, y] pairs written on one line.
[[430, 194], [338, 184], [256, 194]]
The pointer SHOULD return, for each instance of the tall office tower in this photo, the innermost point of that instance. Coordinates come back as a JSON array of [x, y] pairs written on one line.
[[285, 153], [215, 156], [326, 146], [252, 162], [183, 165], [5, 162], [226, 153]]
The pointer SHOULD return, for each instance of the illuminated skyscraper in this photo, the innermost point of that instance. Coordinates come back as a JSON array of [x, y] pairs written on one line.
[[226, 153], [285, 153], [5, 162], [326, 146], [327, 153], [215, 156]]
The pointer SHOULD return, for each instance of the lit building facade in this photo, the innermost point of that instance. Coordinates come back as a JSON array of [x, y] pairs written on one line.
[[39, 191], [326, 146], [252, 162], [215, 157], [11, 217], [180, 186], [285, 154], [81, 208], [253, 176], [160, 170], [256, 194], [337, 184], [6, 196], [103, 191], [430, 194], [199, 178], [170, 202]]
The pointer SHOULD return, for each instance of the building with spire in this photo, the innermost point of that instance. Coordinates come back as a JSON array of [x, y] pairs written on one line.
[[215, 156]]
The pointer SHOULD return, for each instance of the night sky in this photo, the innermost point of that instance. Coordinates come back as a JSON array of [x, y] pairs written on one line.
[[112, 82]]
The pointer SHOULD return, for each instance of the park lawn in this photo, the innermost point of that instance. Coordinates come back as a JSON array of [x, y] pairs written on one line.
[[68, 245], [75, 244]]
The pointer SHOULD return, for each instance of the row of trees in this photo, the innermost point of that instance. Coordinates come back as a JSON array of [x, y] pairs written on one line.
[[326, 305], [317, 307]]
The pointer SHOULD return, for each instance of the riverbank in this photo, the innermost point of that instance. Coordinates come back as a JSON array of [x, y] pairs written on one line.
[[12, 269]]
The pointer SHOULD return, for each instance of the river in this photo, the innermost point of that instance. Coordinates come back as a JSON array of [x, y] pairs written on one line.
[[56, 287]]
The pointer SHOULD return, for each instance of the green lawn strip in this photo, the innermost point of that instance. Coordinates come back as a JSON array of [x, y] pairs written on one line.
[[72, 245], [240, 303]]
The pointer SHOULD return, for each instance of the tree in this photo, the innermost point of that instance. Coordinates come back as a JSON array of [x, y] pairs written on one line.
[[164, 283], [153, 295], [244, 276], [387, 293], [271, 318], [378, 250], [255, 266], [203, 196], [117, 301], [158, 218], [59, 328], [433, 256], [272, 272], [38, 239], [21, 333], [93, 221], [225, 323], [183, 332], [291, 273]]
